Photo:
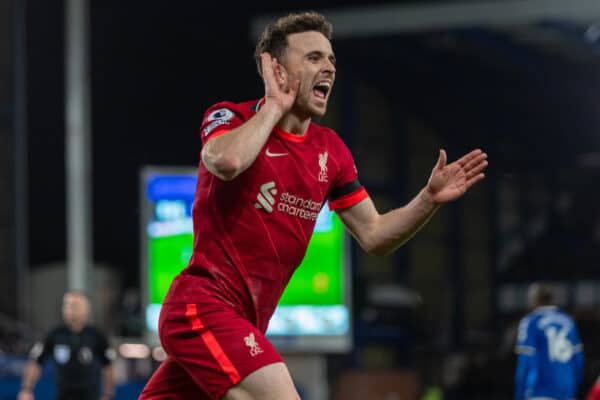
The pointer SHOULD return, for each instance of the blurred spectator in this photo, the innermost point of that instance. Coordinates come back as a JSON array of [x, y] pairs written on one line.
[[567, 234], [79, 351], [550, 353]]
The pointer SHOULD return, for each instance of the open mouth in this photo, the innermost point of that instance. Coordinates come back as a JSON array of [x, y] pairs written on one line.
[[321, 89]]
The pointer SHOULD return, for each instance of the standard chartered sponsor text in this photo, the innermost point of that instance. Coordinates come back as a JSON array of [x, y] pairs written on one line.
[[298, 206]]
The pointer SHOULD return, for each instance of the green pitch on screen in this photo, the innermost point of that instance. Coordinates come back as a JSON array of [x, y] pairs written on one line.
[[318, 280], [169, 255]]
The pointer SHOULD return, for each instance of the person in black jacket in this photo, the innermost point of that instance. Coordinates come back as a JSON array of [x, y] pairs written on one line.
[[79, 350]]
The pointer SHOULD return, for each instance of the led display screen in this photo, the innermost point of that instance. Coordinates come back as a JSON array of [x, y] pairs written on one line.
[[314, 311]]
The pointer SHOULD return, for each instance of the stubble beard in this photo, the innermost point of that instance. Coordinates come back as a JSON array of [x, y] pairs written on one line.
[[305, 107]]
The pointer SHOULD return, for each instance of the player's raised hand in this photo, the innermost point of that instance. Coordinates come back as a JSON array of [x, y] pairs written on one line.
[[450, 181], [278, 87], [25, 395]]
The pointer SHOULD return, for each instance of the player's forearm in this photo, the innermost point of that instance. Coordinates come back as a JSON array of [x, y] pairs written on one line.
[[521, 373], [396, 227], [108, 382], [229, 155], [31, 374]]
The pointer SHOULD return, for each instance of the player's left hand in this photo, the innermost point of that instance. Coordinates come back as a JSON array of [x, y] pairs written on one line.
[[279, 88], [450, 181]]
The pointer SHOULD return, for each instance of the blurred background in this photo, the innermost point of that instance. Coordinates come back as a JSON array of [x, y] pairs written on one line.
[[520, 79]]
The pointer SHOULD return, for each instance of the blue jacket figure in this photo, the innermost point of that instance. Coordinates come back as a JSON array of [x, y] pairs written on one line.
[[550, 353]]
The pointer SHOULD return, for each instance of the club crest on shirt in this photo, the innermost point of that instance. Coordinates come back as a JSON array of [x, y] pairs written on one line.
[[323, 166], [62, 353], [251, 343]]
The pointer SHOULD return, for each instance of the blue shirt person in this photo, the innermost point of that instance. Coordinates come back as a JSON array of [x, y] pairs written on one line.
[[550, 352]]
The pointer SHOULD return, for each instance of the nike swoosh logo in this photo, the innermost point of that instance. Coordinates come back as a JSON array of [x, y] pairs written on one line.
[[270, 154]]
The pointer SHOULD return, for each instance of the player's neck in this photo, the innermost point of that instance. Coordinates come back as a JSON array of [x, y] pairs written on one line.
[[76, 326], [294, 123]]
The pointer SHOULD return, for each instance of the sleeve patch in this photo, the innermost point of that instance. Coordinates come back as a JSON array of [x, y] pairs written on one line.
[[217, 118], [110, 354], [36, 351]]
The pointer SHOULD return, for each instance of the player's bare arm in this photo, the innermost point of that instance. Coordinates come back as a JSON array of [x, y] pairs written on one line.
[[228, 155], [380, 234], [31, 375]]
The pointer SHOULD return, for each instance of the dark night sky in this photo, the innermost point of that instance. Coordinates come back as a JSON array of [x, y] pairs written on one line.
[[155, 69]]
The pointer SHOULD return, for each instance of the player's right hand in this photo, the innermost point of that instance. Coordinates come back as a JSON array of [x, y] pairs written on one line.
[[25, 395], [278, 88]]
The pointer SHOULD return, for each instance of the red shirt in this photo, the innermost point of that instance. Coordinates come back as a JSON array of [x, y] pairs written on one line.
[[594, 393], [251, 233]]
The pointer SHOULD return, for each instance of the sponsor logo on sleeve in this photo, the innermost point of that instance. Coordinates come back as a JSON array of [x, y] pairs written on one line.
[[110, 354], [36, 350], [217, 118]]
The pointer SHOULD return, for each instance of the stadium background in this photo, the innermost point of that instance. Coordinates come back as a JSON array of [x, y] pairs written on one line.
[[524, 91]]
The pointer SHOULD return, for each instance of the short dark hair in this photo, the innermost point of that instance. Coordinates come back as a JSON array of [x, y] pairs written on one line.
[[541, 293], [77, 292], [274, 41]]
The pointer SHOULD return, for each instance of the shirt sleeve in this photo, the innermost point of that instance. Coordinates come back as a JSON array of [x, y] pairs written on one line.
[[525, 366], [526, 352], [526, 338], [578, 357], [42, 350], [105, 353], [346, 190], [219, 119]]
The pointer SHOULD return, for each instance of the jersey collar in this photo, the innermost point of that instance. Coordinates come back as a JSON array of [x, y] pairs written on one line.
[[280, 132]]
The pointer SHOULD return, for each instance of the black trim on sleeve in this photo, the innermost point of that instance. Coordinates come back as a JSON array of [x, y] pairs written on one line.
[[348, 188]]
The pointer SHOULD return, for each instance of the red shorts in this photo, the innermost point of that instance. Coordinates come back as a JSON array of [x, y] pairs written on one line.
[[210, 347]]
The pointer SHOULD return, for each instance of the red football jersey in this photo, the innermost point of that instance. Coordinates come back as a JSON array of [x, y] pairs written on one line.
[[251, 233], [594, 393]]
